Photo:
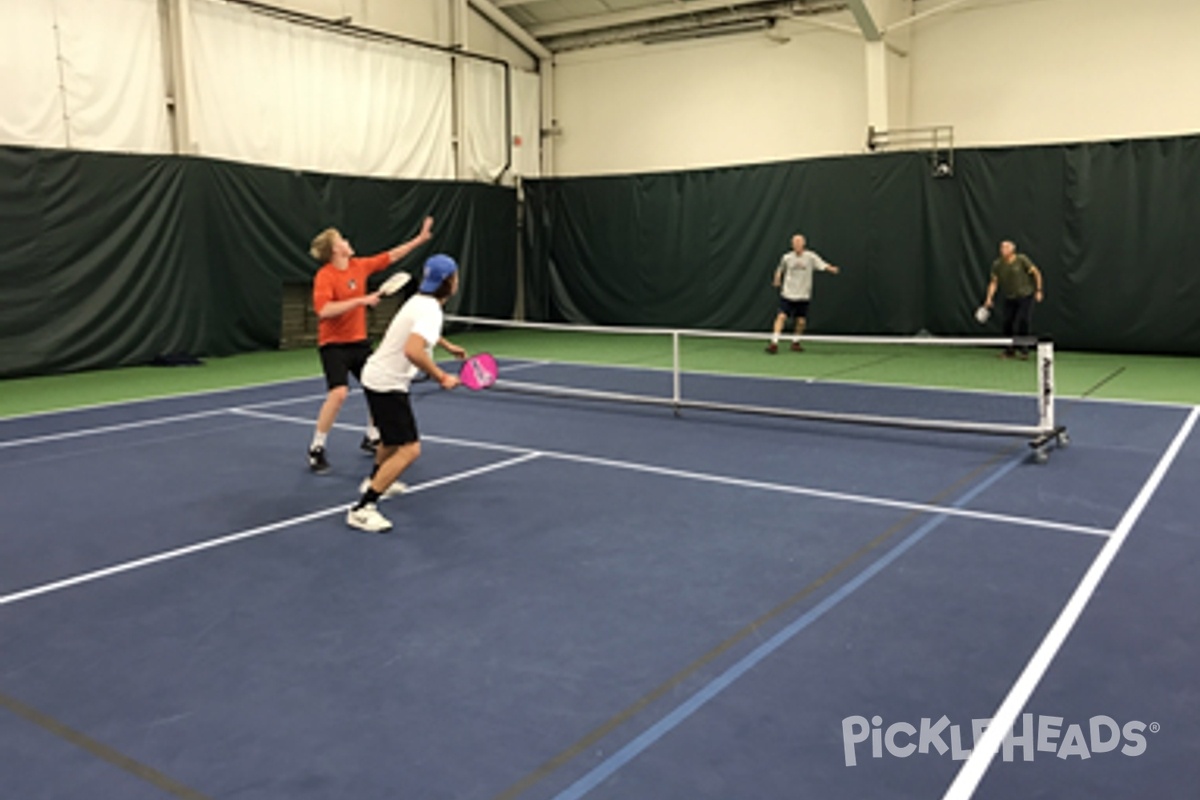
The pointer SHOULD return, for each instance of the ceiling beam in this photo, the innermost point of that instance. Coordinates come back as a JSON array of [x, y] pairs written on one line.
[[866, 23], [633, 16], [926, 14], [514, 31]]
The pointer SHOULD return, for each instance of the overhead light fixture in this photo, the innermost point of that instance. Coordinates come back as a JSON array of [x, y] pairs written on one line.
[[710, 31]]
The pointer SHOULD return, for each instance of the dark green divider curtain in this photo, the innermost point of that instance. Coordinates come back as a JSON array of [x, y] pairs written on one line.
[[109, 259], [1115, 227], [995, 195], [91, 260], [699, 248]]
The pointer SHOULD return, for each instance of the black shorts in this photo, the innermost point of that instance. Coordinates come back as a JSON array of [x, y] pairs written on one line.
[[793, 308], [340, 361], [393, 415]]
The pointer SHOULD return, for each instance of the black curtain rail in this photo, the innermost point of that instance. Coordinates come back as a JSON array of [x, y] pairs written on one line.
[[347, 28], [358, 30]]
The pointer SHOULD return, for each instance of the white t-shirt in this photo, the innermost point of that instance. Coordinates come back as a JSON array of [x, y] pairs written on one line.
[[388, 369], [798, 273]]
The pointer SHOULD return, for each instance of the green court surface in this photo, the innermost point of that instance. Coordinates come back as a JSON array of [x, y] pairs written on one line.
[[54, 392], [1169, 379]]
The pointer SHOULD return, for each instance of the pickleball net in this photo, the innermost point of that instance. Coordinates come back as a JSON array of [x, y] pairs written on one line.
[[961, 385]]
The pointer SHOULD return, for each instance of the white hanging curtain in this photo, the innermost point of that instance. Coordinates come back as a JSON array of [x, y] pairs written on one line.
[[527, 123], [485, 133], [83, 74], [31, 110], [273, 92]]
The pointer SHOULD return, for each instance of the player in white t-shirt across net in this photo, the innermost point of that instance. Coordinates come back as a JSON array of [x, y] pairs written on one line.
[[406, 349], [794, 279]]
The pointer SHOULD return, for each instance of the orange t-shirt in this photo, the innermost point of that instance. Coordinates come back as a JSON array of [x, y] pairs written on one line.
[[333, 284]]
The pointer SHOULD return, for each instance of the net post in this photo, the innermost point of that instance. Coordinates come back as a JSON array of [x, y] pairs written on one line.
[[676, 377], [1045, 361]]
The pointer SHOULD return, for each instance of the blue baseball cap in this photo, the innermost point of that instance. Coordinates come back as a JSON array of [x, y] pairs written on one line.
[[437, 269]]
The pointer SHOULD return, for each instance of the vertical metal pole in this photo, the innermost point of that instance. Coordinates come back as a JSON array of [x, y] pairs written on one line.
[[508, 124], [518, 310], [176, 18], [878, 114], [676, 372], [546, 117], [458, 68], [62, 80]]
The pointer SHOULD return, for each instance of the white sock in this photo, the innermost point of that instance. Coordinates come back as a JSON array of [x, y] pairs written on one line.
[[372, 432], [796, 339], [318, 440], [775, 338]]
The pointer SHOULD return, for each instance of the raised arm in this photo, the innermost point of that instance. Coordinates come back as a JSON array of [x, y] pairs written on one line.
[[400, 251]]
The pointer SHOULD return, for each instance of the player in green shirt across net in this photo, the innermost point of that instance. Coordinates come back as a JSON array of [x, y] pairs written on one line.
[[1020, 284]]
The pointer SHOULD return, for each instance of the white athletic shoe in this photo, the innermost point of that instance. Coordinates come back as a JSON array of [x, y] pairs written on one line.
[[395, 490], [368, 519]]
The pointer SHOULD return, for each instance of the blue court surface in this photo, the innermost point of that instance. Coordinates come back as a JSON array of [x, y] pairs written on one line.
[[590, 600]]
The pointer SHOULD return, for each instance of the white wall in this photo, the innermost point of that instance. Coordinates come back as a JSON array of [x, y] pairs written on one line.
[[710, 102], [1027, 71], [999, 71], [899, 60]]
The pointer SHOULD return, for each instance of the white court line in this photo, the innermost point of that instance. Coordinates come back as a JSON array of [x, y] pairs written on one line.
[[116, 569], [525, 364], [133, 401], [121, 426], [847, 497], [971, 773], [247, 411], [708, 477], [145, 423]]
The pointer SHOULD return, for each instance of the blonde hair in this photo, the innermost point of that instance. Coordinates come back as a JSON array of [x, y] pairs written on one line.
[[322, 244]]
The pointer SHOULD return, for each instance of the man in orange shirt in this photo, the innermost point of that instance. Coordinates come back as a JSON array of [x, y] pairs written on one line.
[[340, 300]]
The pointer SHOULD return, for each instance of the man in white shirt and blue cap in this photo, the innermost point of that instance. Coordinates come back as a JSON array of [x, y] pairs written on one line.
[[406, 349]]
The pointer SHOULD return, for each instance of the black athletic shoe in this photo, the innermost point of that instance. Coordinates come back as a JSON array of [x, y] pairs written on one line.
[[317, 461], [368, 445]]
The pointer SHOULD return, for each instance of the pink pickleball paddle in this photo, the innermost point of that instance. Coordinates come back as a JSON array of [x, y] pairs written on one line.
[[478, 372]]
